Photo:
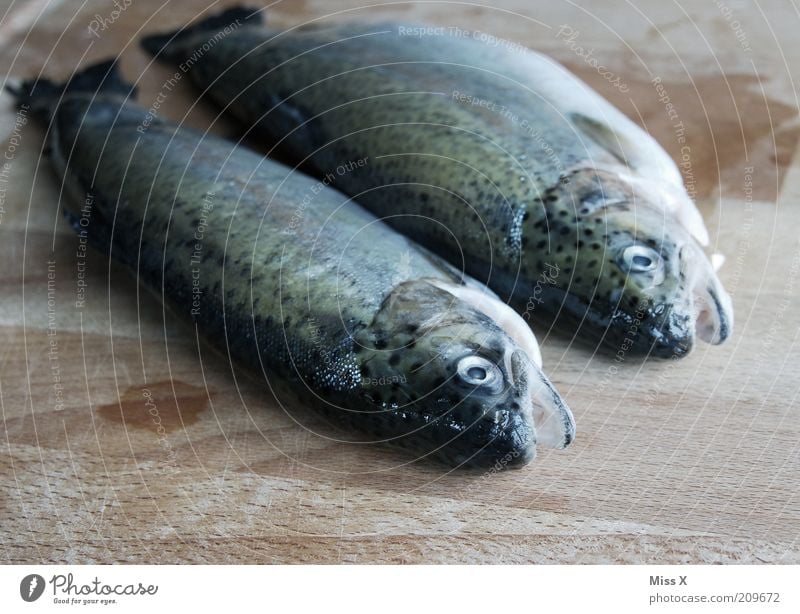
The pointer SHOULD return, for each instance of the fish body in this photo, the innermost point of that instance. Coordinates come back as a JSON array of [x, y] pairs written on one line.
[[500, 161], [338, 311]]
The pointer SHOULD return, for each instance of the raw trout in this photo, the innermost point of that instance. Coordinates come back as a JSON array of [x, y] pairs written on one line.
[[494, 157], [338, 311]]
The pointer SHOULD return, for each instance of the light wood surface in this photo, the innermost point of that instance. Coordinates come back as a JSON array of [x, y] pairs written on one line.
[[688, 461]]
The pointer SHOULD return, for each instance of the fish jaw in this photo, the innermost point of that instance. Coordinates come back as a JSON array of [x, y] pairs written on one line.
[[553, 422], [511, 444], [708, 317], [715, 315], [673, 337], [712, 305], [657, 332]]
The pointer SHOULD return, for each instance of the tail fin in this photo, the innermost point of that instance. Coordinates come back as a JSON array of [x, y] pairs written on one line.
[[41, 95], [166, 47]]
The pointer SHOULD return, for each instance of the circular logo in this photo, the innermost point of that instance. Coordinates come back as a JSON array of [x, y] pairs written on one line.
[[31, 587]]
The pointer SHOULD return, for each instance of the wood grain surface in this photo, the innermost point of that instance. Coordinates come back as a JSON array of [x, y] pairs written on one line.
[[688, 461]]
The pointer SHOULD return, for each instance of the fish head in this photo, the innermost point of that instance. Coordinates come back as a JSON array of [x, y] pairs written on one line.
[[637, 277], [463, 388]]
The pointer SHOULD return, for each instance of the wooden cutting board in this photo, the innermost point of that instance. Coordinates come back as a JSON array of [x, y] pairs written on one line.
[[688, 461]]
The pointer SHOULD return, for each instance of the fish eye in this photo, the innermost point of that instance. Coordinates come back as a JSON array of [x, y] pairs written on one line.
[[477, 371], [640, 259]]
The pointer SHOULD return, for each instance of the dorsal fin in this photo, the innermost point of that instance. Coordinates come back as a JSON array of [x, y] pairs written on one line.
[[614, 143]]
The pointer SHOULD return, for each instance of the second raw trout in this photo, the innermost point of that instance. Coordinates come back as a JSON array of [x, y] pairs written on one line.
[[498, 159]]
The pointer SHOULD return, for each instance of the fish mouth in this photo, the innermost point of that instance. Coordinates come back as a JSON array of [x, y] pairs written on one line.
[[673, 337], [667, 334], [714, 313], [509, 445], [710, 305], [707, 314], [552, 419]]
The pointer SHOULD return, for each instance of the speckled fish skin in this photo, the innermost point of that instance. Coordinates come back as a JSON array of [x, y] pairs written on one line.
[[338, 311], [483, 169]]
